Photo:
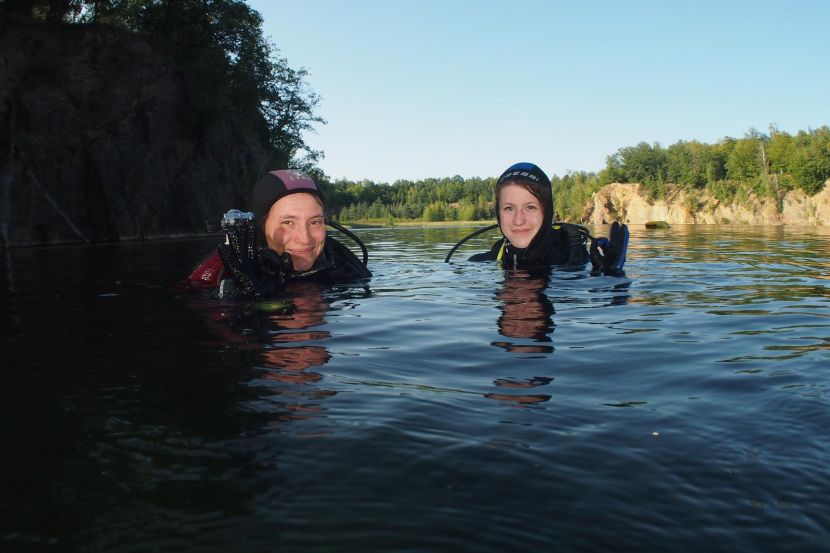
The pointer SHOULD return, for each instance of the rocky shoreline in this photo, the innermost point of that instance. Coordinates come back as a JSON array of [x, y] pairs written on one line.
[[624, 203]]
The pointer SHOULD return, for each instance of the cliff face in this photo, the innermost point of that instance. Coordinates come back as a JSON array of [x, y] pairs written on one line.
[[624, 203], [99, 121]]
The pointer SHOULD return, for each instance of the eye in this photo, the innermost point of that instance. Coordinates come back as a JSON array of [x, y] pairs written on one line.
[[507, 208], [316, 222], [532, 207], [287, 223]]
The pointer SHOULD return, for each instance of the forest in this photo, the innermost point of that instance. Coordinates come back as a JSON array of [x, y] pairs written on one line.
[[223, 53], [732, 170]]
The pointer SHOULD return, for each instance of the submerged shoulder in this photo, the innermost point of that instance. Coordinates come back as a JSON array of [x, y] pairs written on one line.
[[345, 259], [491, 255], [209, 272], [484, 256]]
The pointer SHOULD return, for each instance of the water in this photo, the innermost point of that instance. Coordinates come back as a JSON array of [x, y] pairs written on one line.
[[442, 407]]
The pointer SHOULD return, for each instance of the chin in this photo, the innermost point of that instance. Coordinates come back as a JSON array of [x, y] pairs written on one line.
[[520, 243], [302, 264]]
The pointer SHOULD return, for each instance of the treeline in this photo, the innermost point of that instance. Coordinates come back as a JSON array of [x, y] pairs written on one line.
[[763, 165], [229, 66], [447, 199]]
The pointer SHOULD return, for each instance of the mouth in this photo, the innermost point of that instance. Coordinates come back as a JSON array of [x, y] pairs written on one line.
[[301, 253]]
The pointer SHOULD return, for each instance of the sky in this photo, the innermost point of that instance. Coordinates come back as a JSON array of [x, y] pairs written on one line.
[[413, 89]]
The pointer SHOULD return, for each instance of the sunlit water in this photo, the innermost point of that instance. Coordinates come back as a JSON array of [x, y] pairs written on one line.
[[437, 407]]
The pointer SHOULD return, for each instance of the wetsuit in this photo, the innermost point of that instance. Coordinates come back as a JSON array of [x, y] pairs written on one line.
[[558, 245], [336, 263]]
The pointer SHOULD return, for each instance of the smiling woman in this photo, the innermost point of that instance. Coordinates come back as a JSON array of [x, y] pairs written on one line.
[[283, 240], [524, 210], [520, 214], [296, 225]]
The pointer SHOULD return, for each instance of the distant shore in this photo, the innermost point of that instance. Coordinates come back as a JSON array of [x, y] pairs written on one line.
[[415, 223]]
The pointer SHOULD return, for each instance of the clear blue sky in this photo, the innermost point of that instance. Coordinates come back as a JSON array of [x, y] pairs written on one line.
[[434, 88]]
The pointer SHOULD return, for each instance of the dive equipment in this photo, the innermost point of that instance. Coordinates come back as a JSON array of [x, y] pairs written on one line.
[[473, 235], [582, 232]]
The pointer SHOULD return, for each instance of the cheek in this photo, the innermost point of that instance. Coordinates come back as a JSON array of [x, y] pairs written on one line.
[[319, 235]]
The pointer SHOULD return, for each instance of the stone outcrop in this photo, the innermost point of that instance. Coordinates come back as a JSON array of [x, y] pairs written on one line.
[[624, 203], [98, 139]]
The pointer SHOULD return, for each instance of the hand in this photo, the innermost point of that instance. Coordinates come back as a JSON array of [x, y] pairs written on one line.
[[608, 254], [257, 271], [576, 246]]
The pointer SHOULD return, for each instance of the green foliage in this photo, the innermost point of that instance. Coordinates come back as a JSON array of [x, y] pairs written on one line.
[[572, 193], [756, 164], [811, 162], [744, 161], [723, 190], [228, 63], [693, 203], [687, 164], [654, 189], [434, 212], [643, 163], [467, 212]]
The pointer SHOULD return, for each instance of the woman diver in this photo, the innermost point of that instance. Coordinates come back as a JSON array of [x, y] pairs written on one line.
[[283, 240], [530, 238]]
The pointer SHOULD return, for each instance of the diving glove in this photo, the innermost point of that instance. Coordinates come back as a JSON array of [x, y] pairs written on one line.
[[257, 271], [576, 247], [608, 254]]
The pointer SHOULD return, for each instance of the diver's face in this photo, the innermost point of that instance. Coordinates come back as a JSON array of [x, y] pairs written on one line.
[[296, 224], [520, 214]]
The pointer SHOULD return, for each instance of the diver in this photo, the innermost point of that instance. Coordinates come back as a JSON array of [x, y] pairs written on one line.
[[284, 239], [530, 238]]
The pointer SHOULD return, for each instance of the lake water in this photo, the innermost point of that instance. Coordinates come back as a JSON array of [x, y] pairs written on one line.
[[440, 407]]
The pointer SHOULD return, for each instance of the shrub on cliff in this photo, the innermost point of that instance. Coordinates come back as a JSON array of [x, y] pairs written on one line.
[[221, 47]]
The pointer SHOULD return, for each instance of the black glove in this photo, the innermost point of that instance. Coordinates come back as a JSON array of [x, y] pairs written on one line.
[[608, 254], [258, 271], [576, 246]]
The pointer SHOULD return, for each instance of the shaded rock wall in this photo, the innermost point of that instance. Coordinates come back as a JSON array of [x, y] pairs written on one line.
[[100, 120], [624, 202]]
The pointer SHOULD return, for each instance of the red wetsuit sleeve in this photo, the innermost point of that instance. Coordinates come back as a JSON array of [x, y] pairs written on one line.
[[209, 272]]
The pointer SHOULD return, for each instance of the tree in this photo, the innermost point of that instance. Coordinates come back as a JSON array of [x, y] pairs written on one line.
[[744, 162], [811, 163], [642, 163], [466, 212], [686, 163], [434, 212], [230, 64]]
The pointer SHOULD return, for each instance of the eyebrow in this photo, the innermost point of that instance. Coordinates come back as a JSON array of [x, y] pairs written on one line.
[[294, 217]]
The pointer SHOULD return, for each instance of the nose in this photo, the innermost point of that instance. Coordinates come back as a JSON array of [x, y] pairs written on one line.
[[519, 218], [304, 235]]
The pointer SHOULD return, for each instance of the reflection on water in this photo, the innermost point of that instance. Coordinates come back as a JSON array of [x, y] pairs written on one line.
[[683, 408], [526, 314], [526, 311]]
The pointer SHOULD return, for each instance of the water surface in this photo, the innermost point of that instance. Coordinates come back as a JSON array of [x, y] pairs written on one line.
[[436, 407]]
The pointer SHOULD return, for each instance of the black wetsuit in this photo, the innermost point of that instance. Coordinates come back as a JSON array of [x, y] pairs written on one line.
[[559, 245], [336, 263]]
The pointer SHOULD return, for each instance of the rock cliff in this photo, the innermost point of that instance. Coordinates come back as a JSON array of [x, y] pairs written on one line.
[[623, 202], [99, 142]]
